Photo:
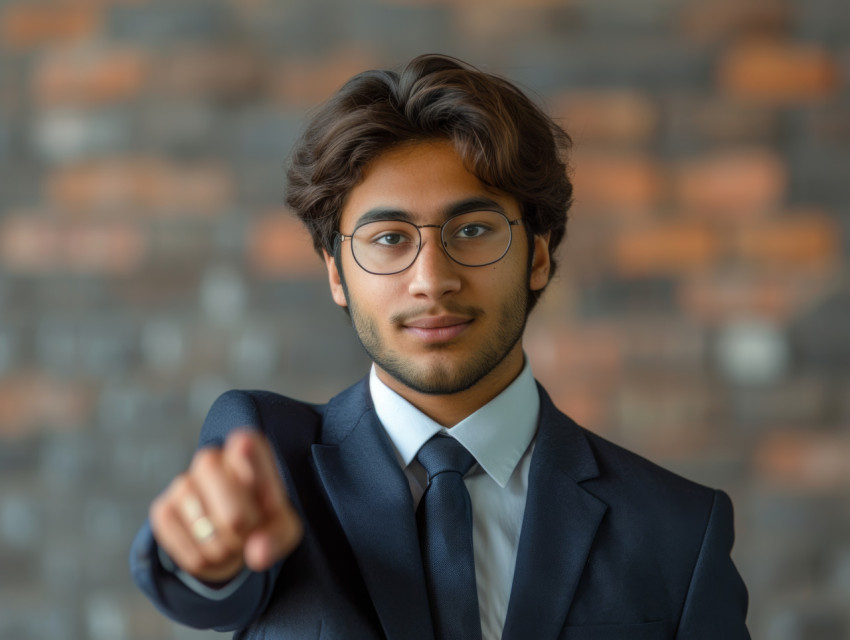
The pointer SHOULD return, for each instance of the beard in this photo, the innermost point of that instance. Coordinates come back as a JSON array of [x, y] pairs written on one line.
[[444, 376]]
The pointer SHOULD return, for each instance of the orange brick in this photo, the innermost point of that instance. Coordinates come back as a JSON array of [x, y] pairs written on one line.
[[148, 184], [29, 402], [90, 76], [716, 297], [606, 116], [28, 243], [805, 461], [593, 352], [112, 248], [219, 72], [778, 72], [706, 21], [664, 417], [34, 244], [466, 4], [610, 181], [483, 21], [732, 184], [806, 241], [723, 120], [585, 400], [26, 25], [279, 246], [310, 81], [665, 249]]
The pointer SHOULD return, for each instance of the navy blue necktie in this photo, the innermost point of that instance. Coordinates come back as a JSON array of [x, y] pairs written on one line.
[[445, 532]]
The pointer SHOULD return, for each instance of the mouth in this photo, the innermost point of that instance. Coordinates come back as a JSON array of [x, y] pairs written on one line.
[[434, 329]]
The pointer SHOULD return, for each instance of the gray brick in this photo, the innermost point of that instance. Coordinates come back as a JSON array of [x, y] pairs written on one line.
[[820, 336], [260, 183], [21, 521], [801, 402], [265, 134], [181, 129], [614, 17], [254, 354], [819, 174], [8, 350], [178, 246], [204, 391], [5, 141], [823, 21], [752, 352], [808, 623], [169, 23], [613, 297], [412, 28], [163, 348], [106, 345], [68, 462], [65, 135], [223, 296], [590, 61]]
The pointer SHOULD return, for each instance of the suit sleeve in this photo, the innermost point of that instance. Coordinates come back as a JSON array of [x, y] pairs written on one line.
[[167, 592], [716, 602], [182, 604]]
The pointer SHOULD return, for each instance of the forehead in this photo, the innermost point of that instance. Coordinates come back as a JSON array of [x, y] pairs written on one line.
[[424, 181]]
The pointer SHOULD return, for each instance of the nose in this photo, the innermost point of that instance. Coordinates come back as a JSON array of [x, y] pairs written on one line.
[[434, 274]]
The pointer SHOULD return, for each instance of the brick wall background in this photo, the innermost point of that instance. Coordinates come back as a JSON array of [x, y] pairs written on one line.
[[701, 315]]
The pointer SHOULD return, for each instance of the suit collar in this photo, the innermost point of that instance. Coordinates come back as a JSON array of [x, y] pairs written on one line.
[[372, 499], [375, 509], [497, 434], [559, 525]]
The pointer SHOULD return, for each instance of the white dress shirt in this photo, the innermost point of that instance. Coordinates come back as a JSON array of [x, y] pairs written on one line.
[[500, 435]]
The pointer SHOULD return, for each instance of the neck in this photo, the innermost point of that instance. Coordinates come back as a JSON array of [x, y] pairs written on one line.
[[449, 409]]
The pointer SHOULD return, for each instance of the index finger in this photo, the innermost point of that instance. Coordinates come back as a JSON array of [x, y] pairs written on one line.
[[249, 455]]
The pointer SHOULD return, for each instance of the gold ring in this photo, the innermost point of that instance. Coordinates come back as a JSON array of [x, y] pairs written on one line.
[[192, 508], [203, 529]]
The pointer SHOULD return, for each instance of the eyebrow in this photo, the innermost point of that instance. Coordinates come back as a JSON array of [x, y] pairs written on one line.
[[475, 203]]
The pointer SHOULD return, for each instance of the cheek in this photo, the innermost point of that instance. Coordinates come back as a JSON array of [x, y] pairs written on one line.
[[373, 295]]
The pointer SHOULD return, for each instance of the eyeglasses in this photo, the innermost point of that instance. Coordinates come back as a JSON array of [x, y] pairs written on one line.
[[472, 239]]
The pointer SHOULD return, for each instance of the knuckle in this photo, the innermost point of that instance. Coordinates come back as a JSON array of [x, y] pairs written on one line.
[[296, 531], [205, 460], [181, 485], [156, 512], [236, 521], [194, 563]]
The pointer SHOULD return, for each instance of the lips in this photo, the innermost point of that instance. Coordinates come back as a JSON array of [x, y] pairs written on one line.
[[437, 328]]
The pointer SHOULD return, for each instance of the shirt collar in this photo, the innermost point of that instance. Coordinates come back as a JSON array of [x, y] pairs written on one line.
[[498, 434]]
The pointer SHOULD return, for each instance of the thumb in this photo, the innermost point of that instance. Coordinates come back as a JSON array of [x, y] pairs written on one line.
[[274, 540]]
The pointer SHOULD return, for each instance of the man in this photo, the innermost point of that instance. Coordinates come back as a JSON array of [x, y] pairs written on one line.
[[437, 196]]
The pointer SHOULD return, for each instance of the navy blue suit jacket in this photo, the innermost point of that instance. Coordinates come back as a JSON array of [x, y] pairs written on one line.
[[611, 547]]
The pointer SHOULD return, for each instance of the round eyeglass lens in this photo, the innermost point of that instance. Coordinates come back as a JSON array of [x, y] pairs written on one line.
[[385, 246], [477, 238]]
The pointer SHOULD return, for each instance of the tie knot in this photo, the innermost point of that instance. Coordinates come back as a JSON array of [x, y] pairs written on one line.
[[442, 453]]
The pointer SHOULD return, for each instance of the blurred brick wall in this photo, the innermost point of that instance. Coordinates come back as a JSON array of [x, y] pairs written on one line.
[[701, 315]]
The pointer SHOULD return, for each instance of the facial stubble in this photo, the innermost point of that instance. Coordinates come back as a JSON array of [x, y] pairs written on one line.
[[448, 377]]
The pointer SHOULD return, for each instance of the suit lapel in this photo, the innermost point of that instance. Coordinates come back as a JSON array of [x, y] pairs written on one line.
[[559, 525], [371, 497]]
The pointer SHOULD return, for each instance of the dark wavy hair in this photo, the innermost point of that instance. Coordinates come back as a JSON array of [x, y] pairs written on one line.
[[505, 140]]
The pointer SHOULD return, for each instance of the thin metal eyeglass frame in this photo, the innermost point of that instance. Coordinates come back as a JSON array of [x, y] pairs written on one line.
[[339, 238]]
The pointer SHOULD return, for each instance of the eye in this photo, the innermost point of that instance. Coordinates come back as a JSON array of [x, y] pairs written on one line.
[[472, 230], [390, 239]]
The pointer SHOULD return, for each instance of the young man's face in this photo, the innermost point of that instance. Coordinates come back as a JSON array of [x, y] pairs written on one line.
[[437, 327]]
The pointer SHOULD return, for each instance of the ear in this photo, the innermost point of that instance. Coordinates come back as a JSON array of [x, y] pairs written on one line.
[[334, 279], [540, 263]]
